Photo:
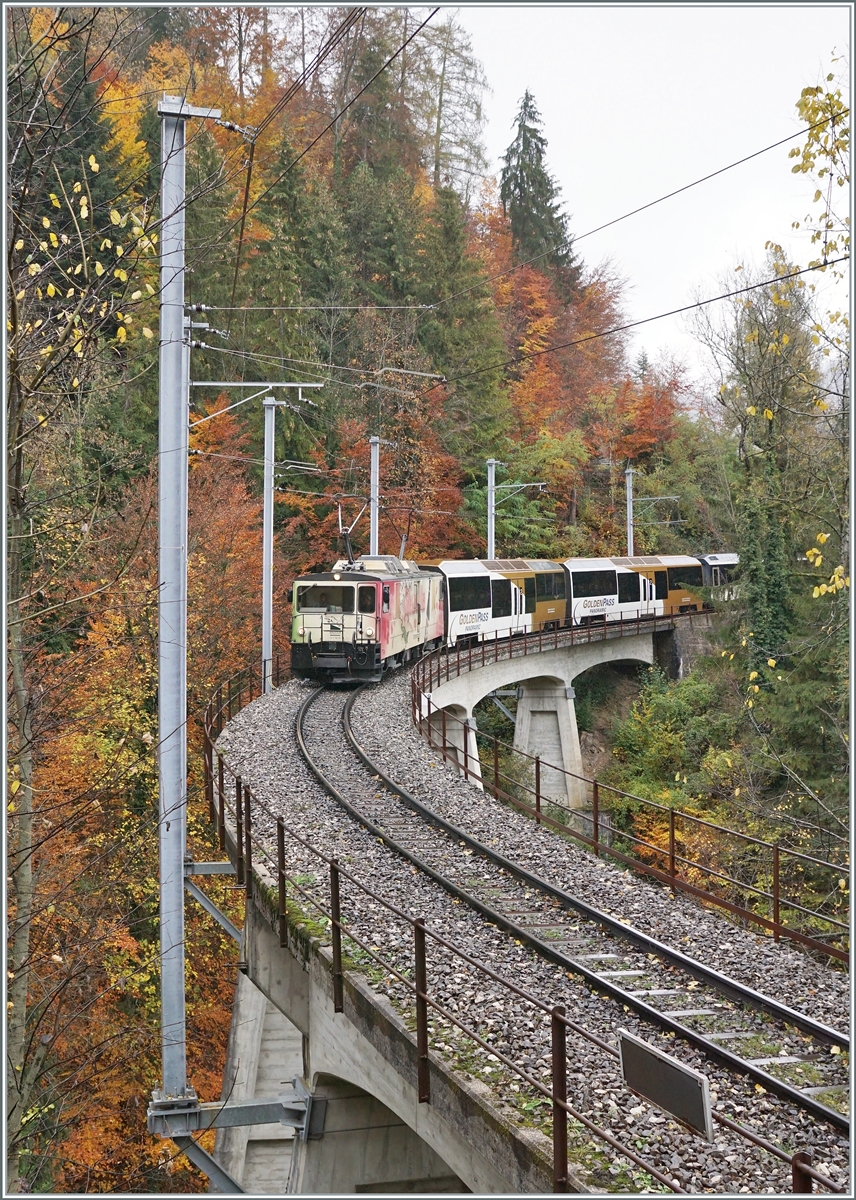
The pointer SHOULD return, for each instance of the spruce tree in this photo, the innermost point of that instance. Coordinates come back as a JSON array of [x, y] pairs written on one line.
[[530, 197]]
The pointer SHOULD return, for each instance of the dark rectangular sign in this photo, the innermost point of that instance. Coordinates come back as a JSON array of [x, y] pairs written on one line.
[[666, 1082]]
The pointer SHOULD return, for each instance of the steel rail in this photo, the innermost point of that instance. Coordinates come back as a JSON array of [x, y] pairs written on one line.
[[721, 983]]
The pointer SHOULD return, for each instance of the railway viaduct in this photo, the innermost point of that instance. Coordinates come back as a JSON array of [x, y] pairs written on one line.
[[370, 1132]]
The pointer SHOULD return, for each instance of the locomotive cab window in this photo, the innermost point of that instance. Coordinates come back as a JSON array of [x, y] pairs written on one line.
[[501, 597], [366, 599], [321, 597], [386, 597], [628, 589]]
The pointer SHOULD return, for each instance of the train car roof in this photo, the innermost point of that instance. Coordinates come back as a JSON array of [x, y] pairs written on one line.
[[657, 560], [476, 566], [722, 560], [592, 564]]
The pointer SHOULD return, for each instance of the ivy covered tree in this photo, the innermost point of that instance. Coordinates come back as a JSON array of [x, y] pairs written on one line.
[[530, 197]]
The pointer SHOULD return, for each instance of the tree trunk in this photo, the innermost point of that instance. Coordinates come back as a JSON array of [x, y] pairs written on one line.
[[438, 126], [20, 1081]]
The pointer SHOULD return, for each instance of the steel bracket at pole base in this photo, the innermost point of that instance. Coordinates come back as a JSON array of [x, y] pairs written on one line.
[[170, 1117]]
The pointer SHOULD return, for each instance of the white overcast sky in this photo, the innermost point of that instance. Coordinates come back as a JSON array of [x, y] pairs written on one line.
[[638, 100]]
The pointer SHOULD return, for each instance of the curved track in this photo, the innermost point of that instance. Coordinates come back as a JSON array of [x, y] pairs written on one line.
[[665, 987]]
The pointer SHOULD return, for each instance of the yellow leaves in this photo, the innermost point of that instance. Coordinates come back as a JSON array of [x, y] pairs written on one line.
[[19, 245], [51, 290], [136, 295], [33, 269], [121, 333], [147, 333], [150, 289], [69, 293], [54, 199], [751, 410], [768, 414], [771, 662], [93, 164], [75, 382], [119, 250], [76, 187], [106, 244], [753, 675], [57, 958], [751, 337], [46, 223], [84, 210], [755, 688], [99, 269], [54, 240], [115, 216], [785, 339], [822, 538], [842, 885], [814, 556], [121, 274]]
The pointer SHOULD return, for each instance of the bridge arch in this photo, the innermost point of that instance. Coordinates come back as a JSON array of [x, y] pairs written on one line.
[[546, 724]]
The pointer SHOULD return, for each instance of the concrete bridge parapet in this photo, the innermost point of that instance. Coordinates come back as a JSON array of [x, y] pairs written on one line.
[[377, 1136]]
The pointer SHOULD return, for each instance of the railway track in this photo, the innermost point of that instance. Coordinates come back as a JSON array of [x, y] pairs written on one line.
[[786, 1052]]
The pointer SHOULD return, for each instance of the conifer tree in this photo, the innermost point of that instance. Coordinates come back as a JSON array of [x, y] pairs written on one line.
[[530, 197]]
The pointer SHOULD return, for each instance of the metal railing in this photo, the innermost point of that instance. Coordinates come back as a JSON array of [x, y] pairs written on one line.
[[248, 851], [674, 867]]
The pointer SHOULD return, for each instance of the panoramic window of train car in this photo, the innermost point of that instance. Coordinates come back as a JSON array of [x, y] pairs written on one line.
[[321, 597], [501, 590], [469, 591], [593, 583], [529, 593], [385, 604], [661, 585], [628, 589], [559, 585], [684, 577], [366, 599]]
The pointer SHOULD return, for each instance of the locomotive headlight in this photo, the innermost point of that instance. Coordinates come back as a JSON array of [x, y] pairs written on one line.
[[337, 576]]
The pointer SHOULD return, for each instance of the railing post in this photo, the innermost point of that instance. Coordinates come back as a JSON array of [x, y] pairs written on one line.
[[239, 828], [443, 715], [229, 701], [280, 876], [560, 1098], [672, 847], [221, 804], [776, 893], [537, 789], [466, 732], [595, 816], [801, 1181], [430, 739], [422, 1079], [482, 646], [336, 930], [248, 847], [495, 767]]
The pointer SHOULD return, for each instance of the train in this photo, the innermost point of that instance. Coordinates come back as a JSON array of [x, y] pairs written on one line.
[[375, 612]]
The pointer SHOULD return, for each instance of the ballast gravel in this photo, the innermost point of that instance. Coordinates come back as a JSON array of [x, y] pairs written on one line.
[[381, 723], [260, 744]]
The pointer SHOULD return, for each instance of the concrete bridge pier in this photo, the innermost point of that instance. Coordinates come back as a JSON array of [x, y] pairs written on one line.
[[547, 727], [461, 730]]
